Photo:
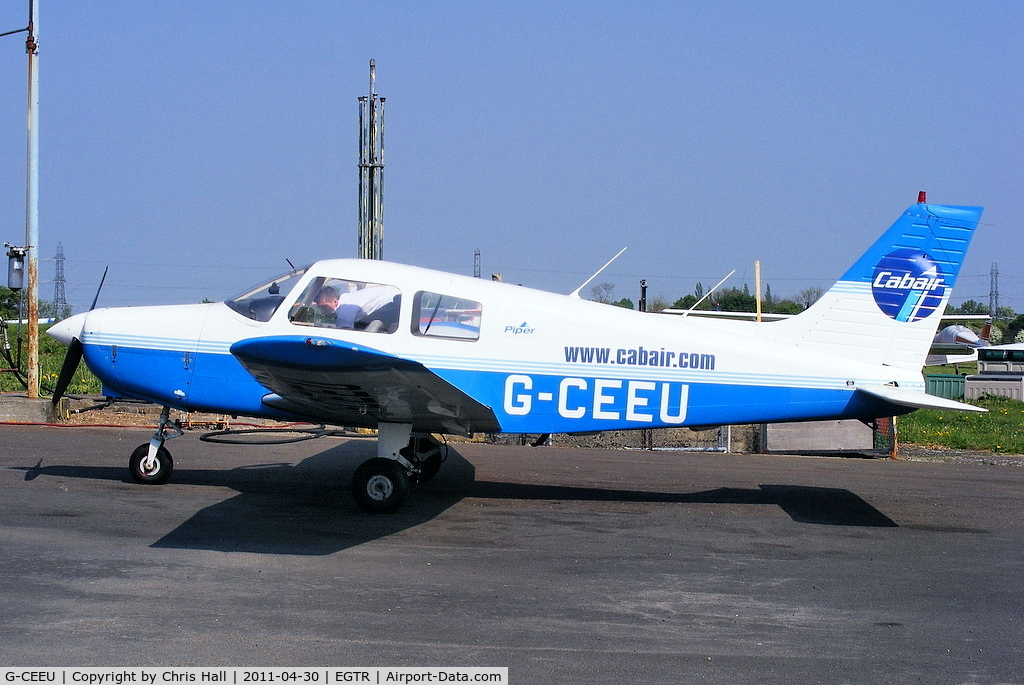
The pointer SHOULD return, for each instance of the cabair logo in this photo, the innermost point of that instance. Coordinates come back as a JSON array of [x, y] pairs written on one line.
[[521, 329], [908, 285]]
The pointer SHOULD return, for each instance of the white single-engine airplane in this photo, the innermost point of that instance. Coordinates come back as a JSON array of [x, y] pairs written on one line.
[[414, 352]]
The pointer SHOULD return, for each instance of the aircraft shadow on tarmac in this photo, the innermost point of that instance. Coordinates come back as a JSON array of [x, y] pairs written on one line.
[[306, 508]]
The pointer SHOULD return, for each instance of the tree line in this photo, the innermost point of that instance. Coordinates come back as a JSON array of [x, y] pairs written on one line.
[[10, 307], [723, 299], [1007, 325]]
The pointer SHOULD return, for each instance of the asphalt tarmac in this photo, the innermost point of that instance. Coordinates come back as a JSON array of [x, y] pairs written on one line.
[[567, 566]]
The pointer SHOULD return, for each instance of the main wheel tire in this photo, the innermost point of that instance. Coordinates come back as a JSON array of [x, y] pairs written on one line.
[[161, 471], [380, 486]]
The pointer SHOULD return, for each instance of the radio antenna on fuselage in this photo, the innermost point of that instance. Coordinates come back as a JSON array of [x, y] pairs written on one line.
[[576, 293], [708, 293]]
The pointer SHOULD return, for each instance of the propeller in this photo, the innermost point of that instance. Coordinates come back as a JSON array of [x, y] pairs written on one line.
[[97, 296], [74, 354], [67, 369]]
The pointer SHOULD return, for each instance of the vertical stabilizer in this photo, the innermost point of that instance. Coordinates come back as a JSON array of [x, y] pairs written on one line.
[[886, 308]]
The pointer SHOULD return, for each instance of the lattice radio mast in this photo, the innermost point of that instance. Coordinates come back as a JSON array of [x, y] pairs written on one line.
[[60, 303], [371, 172], [993, 290]]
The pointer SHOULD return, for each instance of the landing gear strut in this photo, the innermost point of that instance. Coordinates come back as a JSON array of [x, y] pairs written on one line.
[[151, 463], [381, 485]]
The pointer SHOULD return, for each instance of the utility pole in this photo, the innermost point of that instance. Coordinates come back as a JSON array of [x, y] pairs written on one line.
[[646, 435], [32, 200], [371, 172], [32, 196]]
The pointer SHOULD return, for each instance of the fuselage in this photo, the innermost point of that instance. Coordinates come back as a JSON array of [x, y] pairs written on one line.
[[541, 362]]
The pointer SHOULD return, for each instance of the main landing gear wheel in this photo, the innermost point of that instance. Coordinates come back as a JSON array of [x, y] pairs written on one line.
[[158, 473], [380, 486]]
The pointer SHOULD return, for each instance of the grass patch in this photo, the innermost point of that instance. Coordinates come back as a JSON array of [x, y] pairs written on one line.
[[964, 369], [51, 358], [1001, 430]]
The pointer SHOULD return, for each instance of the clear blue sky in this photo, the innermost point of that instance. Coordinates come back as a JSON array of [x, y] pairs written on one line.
[[194, 146]]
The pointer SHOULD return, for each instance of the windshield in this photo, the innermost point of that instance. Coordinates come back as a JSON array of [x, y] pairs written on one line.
[[260, 302]]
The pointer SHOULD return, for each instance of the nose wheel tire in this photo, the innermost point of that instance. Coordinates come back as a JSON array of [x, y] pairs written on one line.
[[380, 486], [158, 474]]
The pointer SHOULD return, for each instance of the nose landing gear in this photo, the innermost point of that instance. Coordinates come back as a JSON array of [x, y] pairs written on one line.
[[148, 471], [151, 463]]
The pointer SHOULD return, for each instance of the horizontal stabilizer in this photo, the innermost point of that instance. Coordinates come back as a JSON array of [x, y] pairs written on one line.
[[915, 399]]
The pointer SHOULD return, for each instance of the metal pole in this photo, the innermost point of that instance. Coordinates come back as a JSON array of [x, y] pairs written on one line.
[[371, 172], [378, 172], [32, 201], [646, 435], [757, 286], [361, 236]]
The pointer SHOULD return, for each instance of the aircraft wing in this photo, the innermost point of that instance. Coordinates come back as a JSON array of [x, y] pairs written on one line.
[[344, 384], [915, 399]]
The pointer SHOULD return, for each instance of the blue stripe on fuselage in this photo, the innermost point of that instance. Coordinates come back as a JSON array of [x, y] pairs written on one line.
[[537, 403]]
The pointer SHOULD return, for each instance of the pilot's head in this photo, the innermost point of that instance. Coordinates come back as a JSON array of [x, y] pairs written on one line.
[[327, 299]]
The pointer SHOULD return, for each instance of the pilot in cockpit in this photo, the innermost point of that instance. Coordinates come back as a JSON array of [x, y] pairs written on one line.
[[373, 307], [327, 302]]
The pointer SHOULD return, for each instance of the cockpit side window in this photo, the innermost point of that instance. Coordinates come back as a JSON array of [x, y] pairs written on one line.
[[445, 316], [342, 303]]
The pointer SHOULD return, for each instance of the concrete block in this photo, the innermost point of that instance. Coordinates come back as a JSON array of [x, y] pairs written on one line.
[[1011, 387], [819, 435], [20, 409]]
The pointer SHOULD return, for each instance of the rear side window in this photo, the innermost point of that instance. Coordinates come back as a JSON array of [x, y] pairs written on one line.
[[445, 316]]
